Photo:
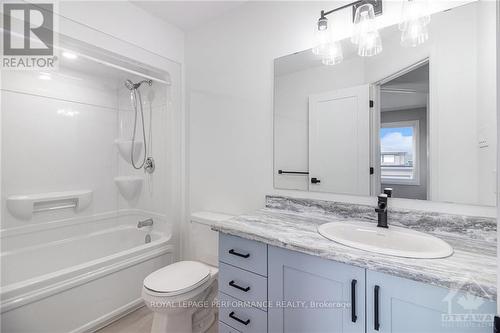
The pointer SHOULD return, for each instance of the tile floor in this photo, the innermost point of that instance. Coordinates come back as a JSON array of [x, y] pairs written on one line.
[[138, 321]]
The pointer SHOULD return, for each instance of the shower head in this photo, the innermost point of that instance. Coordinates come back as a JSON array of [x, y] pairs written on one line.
[[131, 85]]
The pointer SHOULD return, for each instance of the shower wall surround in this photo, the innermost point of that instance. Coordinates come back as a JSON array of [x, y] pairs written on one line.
[[58, 134], [54, 131]]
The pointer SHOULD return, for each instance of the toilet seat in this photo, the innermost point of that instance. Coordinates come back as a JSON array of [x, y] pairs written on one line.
[[178, 278]]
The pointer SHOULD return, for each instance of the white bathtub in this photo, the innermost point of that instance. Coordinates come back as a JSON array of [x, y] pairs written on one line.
[[79, 277]]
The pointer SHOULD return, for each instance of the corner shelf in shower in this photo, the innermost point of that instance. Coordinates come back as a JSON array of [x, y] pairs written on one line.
[[23, 206], [129, 186], [125, 149]]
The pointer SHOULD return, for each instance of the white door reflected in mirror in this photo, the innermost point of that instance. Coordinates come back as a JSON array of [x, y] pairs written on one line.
[[340, 116]]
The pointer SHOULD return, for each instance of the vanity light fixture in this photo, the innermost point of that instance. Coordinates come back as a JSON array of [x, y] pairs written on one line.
[[322, 37], [334, 54], [365, 33], [414, 21], [368, 38], [329, 50]]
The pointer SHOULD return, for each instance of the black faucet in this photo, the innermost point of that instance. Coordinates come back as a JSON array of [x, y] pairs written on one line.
[[382, 211]]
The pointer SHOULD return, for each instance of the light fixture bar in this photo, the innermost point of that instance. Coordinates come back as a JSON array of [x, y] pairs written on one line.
[[377, 5]]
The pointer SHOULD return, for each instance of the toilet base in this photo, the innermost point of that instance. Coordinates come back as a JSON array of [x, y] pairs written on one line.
[[186, 320], [180, 322]]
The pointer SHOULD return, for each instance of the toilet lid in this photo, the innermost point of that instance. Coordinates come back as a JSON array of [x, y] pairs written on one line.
[[177, 278]]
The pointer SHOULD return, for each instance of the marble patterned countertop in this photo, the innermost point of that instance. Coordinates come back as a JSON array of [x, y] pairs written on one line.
[[292, 224]]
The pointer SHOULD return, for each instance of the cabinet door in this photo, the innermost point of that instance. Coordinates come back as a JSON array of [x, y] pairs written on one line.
[[310, 294], [412, 307]]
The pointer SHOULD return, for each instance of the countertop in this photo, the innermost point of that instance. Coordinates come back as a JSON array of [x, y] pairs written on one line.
[[292, 224]]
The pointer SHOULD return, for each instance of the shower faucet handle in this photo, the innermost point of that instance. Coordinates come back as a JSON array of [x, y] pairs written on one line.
[[149, 165]]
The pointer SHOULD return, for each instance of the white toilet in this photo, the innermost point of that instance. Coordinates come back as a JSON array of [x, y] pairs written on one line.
[[181, 295]]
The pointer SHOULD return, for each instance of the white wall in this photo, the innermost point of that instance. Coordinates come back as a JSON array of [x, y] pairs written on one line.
[[124, 21], [230, 101]]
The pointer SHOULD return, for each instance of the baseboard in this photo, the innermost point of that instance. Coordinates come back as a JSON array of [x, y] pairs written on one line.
[[111, 317]]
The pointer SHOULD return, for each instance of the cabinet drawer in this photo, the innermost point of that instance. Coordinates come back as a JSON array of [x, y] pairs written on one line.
[[244, 318], [243, 253], [243, 285], [223, 328]]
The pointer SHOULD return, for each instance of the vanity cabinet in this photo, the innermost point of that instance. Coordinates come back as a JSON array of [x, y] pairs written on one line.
[[311, 294], [306, 293], [242, 285], [395, 304]]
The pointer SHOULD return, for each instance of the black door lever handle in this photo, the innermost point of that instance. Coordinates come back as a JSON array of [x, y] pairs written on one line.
[[315, 181]]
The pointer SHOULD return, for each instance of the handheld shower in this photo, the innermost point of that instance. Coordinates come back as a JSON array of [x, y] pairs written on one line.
[[134, 86], [136, 98]]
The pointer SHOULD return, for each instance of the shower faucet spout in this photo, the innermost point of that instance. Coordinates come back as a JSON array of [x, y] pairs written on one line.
[[145, 223]]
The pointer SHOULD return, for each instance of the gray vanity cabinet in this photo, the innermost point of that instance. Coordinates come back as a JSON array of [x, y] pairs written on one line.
[[311, 294], [308, 294], [400, 305], [242, 285]]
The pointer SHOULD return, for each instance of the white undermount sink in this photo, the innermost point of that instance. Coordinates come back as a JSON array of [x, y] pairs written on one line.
[[393, 241]]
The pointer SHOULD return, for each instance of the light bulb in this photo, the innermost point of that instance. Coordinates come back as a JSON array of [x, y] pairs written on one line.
[[414, 20], [334, 54], [364, 22], [322, 38], [369, 44]]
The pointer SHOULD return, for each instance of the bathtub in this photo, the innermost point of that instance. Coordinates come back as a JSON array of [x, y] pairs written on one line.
[[77, 277]]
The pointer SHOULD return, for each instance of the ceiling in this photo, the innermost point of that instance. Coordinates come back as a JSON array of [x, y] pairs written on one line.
[[187, 15]]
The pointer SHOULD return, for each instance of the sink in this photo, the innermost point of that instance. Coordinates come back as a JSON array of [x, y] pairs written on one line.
[[394, 241]]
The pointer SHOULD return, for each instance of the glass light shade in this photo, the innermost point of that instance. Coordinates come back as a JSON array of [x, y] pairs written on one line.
[[364, 22], [322, 39], [414, 34], [414, 20], [369, 44], [334, 54]]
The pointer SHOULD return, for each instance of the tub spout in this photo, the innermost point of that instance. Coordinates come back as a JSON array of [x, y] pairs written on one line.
[[145, 223]]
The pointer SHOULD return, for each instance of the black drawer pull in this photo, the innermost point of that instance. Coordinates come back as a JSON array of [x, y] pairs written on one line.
[[376, 322], [234, 253], [353, 301], [244, 322], [234, 285]]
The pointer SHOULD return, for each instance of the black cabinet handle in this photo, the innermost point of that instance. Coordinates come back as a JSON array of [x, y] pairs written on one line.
[[376, 322], [315, 180], [353, 301], [244, 322], [234, 285], [234, 253]]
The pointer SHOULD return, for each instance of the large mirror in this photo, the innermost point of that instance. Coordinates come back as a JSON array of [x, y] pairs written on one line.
[[420, 120]]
